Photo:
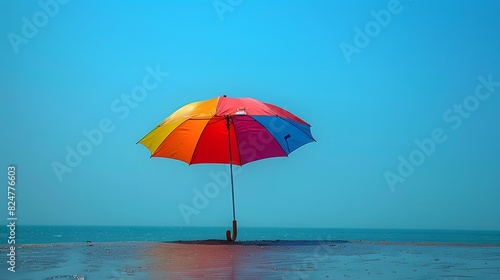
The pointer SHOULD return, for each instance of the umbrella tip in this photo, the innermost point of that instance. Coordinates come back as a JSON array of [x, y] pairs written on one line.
[[224, 95]]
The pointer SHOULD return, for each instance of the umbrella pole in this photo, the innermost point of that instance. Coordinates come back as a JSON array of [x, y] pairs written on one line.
[[235, 231], [232, 190]]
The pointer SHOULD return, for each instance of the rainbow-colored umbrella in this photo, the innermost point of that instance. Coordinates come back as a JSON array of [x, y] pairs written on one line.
[[227, 130]]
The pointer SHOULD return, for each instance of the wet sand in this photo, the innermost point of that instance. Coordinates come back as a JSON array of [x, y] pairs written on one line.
[[214, 259]]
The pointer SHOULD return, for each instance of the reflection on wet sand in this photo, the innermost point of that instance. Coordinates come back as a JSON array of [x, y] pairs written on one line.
[[255, 260]]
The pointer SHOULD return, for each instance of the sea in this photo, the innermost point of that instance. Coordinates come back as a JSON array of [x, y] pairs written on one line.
[[25, 234]]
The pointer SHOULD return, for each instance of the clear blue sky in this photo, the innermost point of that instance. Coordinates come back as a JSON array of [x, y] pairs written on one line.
[[414, 74]]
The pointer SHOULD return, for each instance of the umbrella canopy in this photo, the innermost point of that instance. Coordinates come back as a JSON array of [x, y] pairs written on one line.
[[227, 130], [198, 132]]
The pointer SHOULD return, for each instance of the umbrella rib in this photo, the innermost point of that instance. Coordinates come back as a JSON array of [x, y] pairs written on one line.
[[288, 122], [165, 139], [198, 141], [161, 145], [285, 119], [265, 128], [151, 131], [218, 119], [291, 123], [237, 143], [159, 125]]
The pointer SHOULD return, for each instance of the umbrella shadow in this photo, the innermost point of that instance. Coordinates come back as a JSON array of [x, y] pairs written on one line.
[[287, 243]]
